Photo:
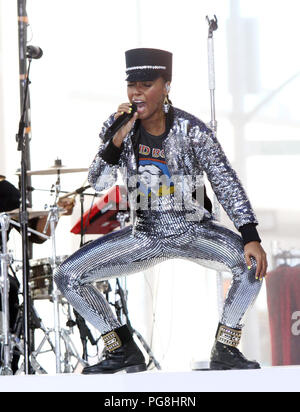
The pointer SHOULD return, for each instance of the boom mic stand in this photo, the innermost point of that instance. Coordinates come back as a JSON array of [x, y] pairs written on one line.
[[22, 146]]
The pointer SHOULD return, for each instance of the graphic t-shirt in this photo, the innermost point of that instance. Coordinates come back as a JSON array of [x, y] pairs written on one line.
[[154, 176]]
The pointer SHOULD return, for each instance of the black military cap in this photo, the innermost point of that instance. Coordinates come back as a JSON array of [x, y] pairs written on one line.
[[148, 64]]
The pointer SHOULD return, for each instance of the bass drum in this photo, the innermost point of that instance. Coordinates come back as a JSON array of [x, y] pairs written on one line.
[[41, 277]]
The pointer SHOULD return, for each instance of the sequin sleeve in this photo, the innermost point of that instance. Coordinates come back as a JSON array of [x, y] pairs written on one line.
[[223, 179], [102, 175]]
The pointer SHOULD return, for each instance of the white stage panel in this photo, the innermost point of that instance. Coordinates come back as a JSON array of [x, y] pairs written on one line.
[[269, 379]]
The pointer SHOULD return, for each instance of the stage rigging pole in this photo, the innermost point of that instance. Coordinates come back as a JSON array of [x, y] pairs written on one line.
[[23, 138]]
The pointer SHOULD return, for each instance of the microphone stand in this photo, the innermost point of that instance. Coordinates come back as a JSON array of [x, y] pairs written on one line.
[[213, 26], [22, 146]]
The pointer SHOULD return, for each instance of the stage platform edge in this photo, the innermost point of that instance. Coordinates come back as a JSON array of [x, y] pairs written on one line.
[[267, 379]]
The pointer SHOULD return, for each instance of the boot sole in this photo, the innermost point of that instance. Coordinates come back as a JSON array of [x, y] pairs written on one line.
[[222, 366], [136, 368], [218, 366], [129, 369]]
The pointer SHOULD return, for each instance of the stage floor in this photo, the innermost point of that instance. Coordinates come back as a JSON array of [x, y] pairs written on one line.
[[268, 379]]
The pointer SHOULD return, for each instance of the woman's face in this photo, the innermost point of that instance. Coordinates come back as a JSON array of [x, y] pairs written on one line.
[[148, 96]]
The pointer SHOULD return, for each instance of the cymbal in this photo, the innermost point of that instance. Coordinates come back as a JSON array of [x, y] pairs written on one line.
[[54, 170], [14, 214]]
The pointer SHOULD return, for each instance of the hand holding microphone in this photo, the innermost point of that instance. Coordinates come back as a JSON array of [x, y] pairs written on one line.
[[124, 119]]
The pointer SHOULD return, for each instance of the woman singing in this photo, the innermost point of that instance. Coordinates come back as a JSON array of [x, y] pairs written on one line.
[[163, 153]]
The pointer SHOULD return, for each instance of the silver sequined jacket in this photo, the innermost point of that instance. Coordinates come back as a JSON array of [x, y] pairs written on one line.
[[191, 149]]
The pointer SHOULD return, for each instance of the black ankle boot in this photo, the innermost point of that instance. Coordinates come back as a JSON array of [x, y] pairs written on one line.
[[225, 354], [122, 353]]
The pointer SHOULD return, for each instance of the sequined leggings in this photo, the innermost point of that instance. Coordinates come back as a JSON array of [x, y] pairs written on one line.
[[123, 252]]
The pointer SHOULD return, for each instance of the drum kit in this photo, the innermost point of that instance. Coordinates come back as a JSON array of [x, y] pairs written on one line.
[[106, 213], [41, 285]]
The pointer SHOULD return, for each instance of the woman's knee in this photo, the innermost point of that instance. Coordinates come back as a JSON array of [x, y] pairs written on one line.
[[64, 277], [246, 274], [239, 262]]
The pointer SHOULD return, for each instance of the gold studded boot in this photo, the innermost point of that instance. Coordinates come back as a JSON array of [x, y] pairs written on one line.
[[122, 354], [225, 354]]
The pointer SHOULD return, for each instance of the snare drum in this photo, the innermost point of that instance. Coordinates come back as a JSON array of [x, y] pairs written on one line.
[[40, 277]]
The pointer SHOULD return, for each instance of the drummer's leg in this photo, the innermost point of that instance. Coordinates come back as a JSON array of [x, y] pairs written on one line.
[[114, 255]]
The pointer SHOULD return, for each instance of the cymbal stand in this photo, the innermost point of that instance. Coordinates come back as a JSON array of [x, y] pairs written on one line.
[[60, 334], [4, 286], [11, 340], [70, 349], [35, 322]]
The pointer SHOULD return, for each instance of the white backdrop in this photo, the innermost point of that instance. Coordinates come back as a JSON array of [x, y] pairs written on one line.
[[79, 82]]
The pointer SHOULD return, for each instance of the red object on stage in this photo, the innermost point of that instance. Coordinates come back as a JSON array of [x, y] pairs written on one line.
[[283, 296], [102, 217]]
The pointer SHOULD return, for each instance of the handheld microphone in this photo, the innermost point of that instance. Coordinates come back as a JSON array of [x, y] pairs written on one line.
[[121, 121], [34, 52]]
